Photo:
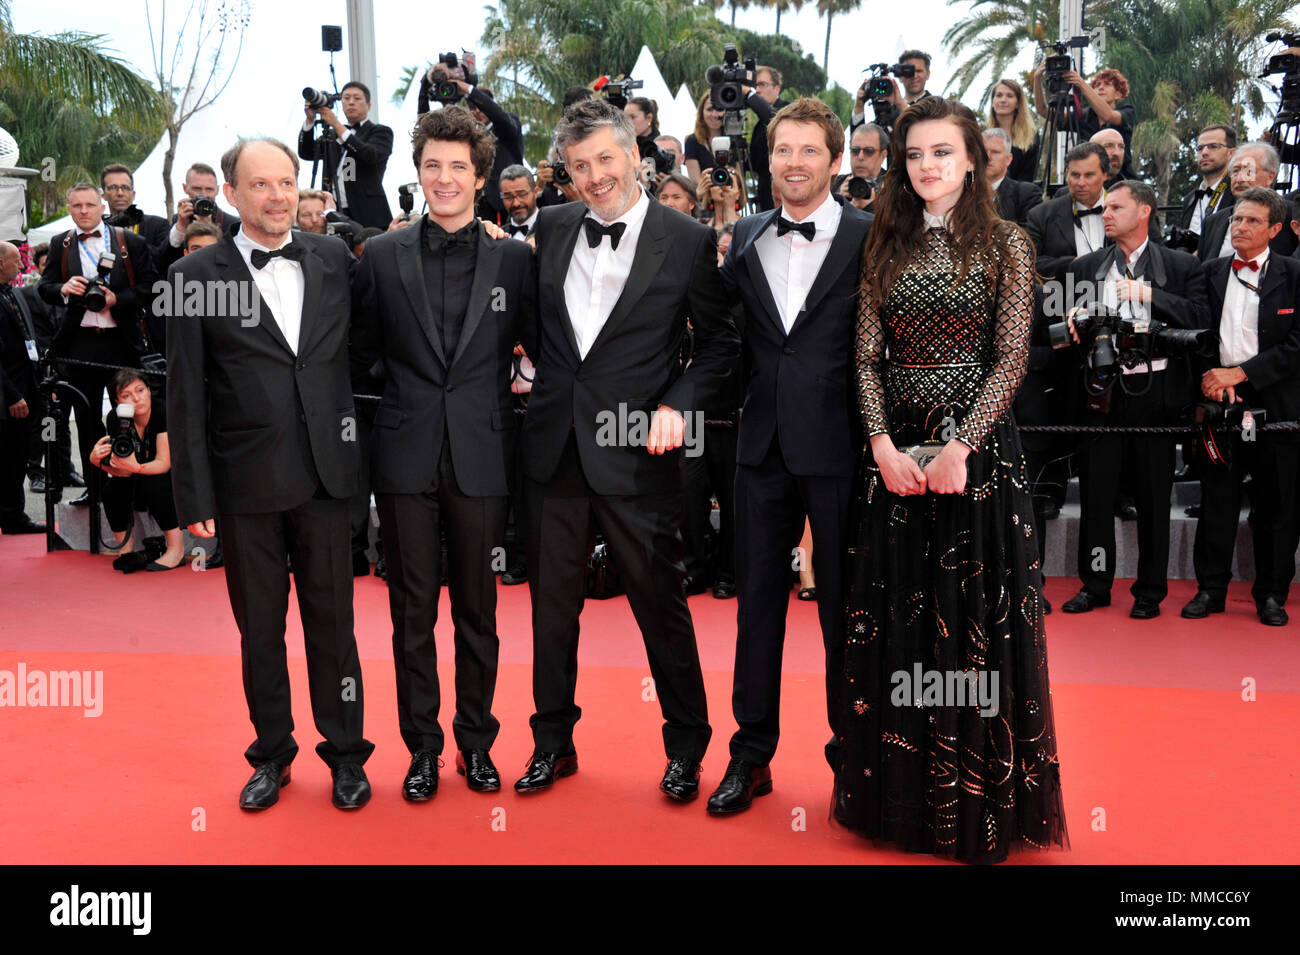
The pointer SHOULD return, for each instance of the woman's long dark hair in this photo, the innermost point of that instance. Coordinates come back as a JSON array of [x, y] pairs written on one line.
[[897, 232]]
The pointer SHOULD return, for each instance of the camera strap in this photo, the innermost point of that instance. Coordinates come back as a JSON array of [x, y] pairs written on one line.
[[118, 240], [1211, 445]]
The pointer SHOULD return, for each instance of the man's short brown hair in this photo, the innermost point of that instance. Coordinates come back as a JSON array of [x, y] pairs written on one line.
[[808, 109], [112, 168], [773, 73], [1270, 200], [455, 124], [319, 195], [200, 227], [202, 168]]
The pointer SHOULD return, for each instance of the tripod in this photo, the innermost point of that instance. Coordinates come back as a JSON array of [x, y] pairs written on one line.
[[1061, 128]]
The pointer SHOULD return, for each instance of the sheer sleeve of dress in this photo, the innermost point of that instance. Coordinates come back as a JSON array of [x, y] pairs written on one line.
[[1012, 322], [869, 353]]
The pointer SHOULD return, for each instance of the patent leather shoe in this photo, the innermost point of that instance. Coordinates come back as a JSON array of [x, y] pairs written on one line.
[[1271, 613], [476, 766], [741, 783], [681, 779], [544, 769], [421, 780]]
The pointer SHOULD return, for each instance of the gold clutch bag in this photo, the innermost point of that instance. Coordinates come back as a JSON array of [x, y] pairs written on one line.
[[923, 453]]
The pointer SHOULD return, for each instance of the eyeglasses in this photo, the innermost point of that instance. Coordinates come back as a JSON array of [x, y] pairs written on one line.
[[764, 83], [118, 189], [1202, 147], [867, 151]]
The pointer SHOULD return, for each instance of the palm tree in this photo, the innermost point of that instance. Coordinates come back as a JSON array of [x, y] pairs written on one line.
[[996, 31], [828, 9]]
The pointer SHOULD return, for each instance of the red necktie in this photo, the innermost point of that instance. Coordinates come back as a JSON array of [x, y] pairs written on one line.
[[89, 235], [1239, 264]]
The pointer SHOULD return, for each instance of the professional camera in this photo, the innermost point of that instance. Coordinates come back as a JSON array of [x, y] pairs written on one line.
[[128, 218], [204, 208], [1288, 64], [319, 99], [1114, 342], [720, 174], [93, 298], [726, 82], [665, 162], [406, 196], [125, 441], [1056, 65], [341, 226], [561, 175], [861, 187], [1227, 413], [443, 89], [616, 90], [1179, 238], [880, 87]]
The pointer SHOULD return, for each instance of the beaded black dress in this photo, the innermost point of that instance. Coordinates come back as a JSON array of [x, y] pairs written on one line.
[[941, 585]]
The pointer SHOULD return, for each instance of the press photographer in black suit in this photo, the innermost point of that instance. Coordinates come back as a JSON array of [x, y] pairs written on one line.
[[263, 436], [1014, 198], [442, 305], [200, 183], [767, 84], [352, 156], [1254, 297], [1139, 279], [119, 192], [111, 335], [1214, 150], [1253, 164], [797, 271], [618, 276]]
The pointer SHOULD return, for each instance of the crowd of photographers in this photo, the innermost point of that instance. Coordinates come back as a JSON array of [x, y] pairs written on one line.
[[1136, 326]]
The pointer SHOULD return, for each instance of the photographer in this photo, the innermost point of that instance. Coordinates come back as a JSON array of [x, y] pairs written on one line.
[[1253, 164], [1139, 280], [199, 205], [767, 84], [698, 147], [722, 205], [311, 211], [867, 151], [1103, 94], [1252, 298], [550, 192], [678, 192], [105, 277], [519, 195], [671, 144], [1013, 198], [913, 88], [119, 192], [141, 480], [1214, 150], [352, 156]]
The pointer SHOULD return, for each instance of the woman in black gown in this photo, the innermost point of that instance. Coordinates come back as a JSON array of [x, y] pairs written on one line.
[[944, 571]]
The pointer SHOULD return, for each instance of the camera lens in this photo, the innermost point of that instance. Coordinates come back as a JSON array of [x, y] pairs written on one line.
[[204, 208], [860, 188], [562, 177], [720, 176]]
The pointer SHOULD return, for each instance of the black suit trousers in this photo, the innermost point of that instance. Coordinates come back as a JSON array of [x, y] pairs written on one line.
[[314, 535], [475, 527], [108, 348], [771, 504], [642, 534], [1275, 470], [13, 465], [711, 474]]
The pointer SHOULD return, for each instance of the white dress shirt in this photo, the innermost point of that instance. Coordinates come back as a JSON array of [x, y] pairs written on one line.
[[1089, 233], [1239, 323], [596, 276], [1198, 210], [1225, 247], [791, 262], [281, 283], [1139, 310], [90, 250]]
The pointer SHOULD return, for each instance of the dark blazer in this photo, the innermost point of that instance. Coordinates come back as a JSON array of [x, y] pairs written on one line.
[[1215, 227], [17, 371], [1178, 299], [1273, 375], [1051, 227], [132, 300], [801, 388], [1189, 206], [153, 229], [1014, 199], [370, 145], [634, 361], [428, 392], [255, 428], [510, 148]]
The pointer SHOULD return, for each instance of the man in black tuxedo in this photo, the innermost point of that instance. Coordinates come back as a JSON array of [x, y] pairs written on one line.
[[19, 399], [119, 192], [1142, 280], [796, 271], [200, 183], [353, 156], [618, 276], [1214, 149], [263, 436], [442, 305], [1014, 198], [505, 128], [111, 335], [1254, 296], [1253, 164]]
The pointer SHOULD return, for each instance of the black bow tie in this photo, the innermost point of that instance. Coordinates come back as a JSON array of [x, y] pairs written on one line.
[[1080, 213], [523, 230], [293, 251], [805, 229], [440, 240], [1202, 193], [595, 231]]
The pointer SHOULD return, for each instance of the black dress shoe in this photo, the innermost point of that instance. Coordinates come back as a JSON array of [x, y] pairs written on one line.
[[351, 788], [1192, 510], [1271, 613], [693, 585], [1127, 512], [421, 780], [476, 766], [681, 779], [742, 782], [74, 480], [1050, 513], [1144, 608], [37, 484], [513, 576], [381, 569], [24, 526], [1084, 601], [262, 791], [724, 589], [81, 501], [1202, 605], [544, 769]]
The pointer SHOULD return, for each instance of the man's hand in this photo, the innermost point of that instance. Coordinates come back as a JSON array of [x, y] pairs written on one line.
[[1074, 79], [18, 409], [493, 230], [667, 431], [206, 528], [401, 222], [545, 174], [184, 213], [1133, 290], [74, 286], [110, 299], [463, 87], [309, 110], [860, 103], [1069, 320], [1220, 382]]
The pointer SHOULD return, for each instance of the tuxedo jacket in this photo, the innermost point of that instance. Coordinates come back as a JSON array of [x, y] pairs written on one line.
[[132, 299], [1051, 227], [153, 229], [634, 362], [370, 145], [801, 388], [254, 427], [1014, 199], [429, 394], [17, 370], [1273, 375], [1177, 298], [1189, 206], [1214, 228]]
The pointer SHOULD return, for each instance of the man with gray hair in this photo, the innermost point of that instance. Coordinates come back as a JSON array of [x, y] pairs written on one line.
[[607, 421], [1253, 164], [519, 196], [1012, 197]]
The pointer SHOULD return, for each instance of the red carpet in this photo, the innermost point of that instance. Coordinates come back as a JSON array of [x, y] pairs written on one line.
[[1162, 761]]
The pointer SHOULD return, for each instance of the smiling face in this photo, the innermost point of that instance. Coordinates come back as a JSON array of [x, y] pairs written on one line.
[[449, 182], [937, 163], [803, 165], [604, 173], [265, 193], [713, 118]]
